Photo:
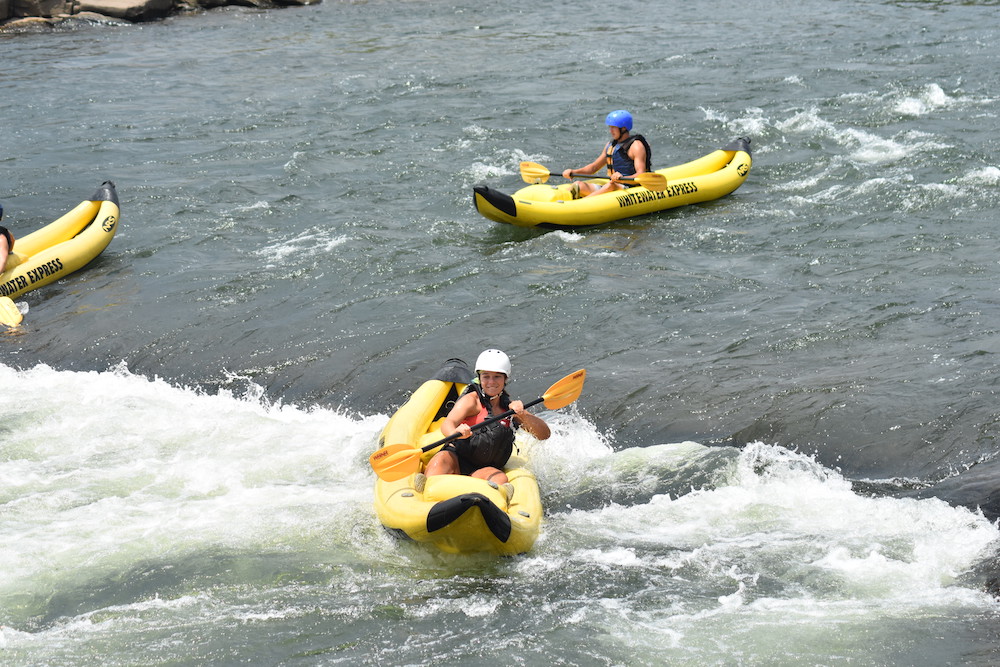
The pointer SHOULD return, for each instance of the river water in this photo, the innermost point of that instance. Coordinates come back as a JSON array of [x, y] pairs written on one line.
[[786, 449]]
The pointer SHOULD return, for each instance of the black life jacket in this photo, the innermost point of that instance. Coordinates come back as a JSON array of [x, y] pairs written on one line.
[[492, 445]]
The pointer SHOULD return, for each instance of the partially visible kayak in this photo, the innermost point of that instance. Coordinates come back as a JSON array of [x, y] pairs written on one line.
[[552, 206], [455, 513], [63, 246]]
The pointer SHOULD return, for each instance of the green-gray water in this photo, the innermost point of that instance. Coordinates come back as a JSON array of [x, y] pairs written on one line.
[[790, 413]]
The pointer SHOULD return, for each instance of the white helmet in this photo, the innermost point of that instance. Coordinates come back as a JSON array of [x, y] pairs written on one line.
[[493, 360]]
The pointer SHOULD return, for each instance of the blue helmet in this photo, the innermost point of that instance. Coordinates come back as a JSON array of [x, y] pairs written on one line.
[[1, 211], [620, 118]]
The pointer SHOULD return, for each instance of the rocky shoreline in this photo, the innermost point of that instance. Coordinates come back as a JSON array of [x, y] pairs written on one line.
[[34, 15]]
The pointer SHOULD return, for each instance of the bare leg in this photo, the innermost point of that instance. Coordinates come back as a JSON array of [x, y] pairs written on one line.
[[442, 463], [588, 189], [607, 187], [491, 475]]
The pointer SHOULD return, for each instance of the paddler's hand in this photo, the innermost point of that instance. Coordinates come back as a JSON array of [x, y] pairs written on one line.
[[532, 423], [464, 431], [567, 173]]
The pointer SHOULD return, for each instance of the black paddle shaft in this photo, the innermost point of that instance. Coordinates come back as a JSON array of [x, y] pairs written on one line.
[[480, 425]]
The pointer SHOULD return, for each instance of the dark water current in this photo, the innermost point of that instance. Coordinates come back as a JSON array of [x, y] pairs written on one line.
[[790, 420]]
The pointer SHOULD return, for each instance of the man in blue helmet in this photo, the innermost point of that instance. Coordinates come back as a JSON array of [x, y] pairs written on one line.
[[6, 243], [625, 155]]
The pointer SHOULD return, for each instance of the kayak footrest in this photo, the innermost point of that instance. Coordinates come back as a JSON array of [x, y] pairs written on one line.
[[447, 511], [499, 200]]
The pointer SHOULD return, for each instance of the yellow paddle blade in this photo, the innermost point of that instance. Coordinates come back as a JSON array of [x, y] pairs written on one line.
[[649, 180], [532, 172], [565, 391], [397, 465], [9, 314], [394, 462], [376, 459]]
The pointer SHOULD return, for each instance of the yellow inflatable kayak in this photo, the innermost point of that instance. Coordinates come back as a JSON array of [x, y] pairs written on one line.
[[455, 513], [62, 246], [552, 206]]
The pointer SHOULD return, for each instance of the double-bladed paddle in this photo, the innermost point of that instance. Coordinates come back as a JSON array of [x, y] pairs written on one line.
[[532, 172], [397, 461]]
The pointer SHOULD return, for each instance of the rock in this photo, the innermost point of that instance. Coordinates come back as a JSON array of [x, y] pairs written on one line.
[[27, 24], [44, 8], [35, 15], [94, 17], [129, 10]]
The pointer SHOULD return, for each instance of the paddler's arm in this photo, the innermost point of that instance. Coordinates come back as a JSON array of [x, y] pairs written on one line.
[[637, 152], [590, 169], [465, 407], [532, 424]]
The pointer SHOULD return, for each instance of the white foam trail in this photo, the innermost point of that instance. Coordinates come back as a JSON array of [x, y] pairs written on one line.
[[569, 237], [317, 242], [103, 470], [499, 167], [983, 176], [931, 98], [779, 539], [675, 545], [752, 123]]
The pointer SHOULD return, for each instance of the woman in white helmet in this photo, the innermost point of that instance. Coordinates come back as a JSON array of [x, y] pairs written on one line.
[[483, 453]]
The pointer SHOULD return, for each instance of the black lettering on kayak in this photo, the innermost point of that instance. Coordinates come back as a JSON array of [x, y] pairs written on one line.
[[683, 188], [631, 197], [15, 284], [49, 268]]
